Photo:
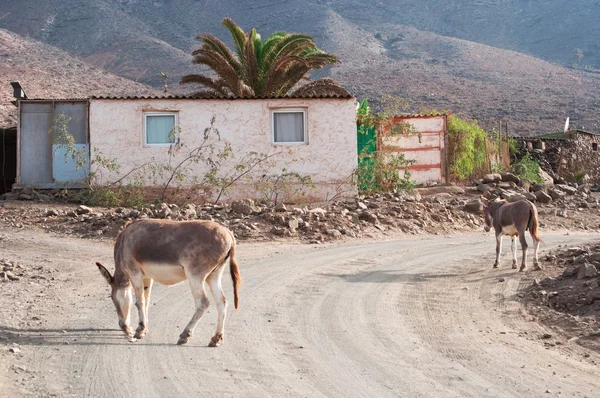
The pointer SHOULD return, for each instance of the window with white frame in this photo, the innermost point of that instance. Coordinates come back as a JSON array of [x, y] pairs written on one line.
[[289, 126], [160, 128]]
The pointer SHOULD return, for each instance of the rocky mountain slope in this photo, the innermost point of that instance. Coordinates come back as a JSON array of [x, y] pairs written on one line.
[[400, 48], [47, 72]]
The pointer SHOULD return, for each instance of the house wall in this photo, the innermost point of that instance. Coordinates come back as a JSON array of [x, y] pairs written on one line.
[[428, 150], [117, 131], [580, 157]]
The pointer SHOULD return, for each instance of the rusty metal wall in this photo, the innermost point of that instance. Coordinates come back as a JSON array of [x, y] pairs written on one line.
[[426, 145]]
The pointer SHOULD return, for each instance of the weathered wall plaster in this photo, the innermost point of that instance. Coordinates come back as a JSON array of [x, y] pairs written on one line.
[[117, 131]]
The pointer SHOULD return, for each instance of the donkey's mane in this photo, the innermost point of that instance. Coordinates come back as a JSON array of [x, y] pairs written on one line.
[[123, 228]]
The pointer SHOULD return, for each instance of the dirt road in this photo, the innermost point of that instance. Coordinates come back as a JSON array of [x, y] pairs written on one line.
[[411, 318]]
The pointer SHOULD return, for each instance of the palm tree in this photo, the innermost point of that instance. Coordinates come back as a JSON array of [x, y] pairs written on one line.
[[262, 68]]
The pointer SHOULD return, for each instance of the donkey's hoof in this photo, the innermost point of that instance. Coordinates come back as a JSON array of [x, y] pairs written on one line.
[[216, 340], [514, 266], [184, 337], [537, 267], [521, 269], [495, 265], [140, 332]]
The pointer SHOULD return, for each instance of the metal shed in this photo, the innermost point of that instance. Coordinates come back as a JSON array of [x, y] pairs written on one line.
[[41, 163]]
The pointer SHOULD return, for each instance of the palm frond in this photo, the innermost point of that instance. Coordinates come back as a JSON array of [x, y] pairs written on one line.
[[321, 87], [207, 93], [251, 73], [210, 42], [216, 85], [237, 33], [276, 73], [220, 65], [288, 45], [292, 77]]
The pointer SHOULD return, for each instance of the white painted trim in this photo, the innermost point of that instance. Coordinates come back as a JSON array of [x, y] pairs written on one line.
[[145, 133], [289, 110]]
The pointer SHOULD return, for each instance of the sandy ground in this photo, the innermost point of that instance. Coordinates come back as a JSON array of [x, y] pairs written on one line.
[[418, 318]]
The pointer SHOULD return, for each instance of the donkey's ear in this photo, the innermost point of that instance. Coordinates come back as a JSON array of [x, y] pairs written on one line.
[[105, 273]]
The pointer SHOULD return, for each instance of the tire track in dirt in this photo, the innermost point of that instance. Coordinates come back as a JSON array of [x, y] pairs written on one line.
[[413, 318]]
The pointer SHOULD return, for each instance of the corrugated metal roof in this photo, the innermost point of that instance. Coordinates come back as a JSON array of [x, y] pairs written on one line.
[[558, 136], [52, 99], [210, 96]]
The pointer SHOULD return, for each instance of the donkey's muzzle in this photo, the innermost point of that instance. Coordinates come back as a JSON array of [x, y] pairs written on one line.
[[486, 228]]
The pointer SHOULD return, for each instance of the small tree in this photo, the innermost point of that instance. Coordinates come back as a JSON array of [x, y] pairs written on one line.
[[273, 67]]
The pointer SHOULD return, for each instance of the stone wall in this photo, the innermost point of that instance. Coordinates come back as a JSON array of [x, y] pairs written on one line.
[[582, 158], [570, 159]]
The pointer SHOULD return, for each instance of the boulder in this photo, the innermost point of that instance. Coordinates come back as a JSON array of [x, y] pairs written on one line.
[[585, 188], [51, 212], [83, 210], [570, 271], [556, 194], [516, 197], [587, 270], [562, 212], [538, 187], [530, 196], [510, 177], [484, 187], [494, 177], [441, 189], [361, 206], [334, 232], [542, 197], [368, 216], [318, 210], [10, 196], [190, 212], [548, 180], [293, 223], [163, 211], [244, 207], [474, 206], [566, 189], [280, 208]]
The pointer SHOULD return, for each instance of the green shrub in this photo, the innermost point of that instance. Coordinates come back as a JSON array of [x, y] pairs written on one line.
[[120, 196], [380, 173], [467, 152], [528, 169]]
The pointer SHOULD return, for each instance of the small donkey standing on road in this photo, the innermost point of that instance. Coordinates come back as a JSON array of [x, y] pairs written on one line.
[[169, 252], [513, 219]]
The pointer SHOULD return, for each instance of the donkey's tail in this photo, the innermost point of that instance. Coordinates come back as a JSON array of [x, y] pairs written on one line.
[[533, 223], [235, 271]]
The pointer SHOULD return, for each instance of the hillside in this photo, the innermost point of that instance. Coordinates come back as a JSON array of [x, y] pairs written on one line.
[[396, 48], [47, 72]]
